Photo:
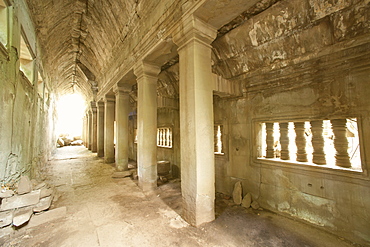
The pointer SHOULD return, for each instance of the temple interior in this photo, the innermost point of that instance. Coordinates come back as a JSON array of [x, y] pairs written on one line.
[[262, 104]]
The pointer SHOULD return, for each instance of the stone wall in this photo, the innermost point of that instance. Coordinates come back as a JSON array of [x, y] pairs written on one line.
[[302, 59], [26, 119]]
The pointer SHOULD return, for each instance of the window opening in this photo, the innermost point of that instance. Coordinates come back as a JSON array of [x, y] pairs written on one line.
[[164, 137], [330, 143], [26, 60], [218, 139], [3, 23]]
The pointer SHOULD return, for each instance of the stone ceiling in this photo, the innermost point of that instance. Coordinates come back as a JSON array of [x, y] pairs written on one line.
[[76, 37], [81, 39]]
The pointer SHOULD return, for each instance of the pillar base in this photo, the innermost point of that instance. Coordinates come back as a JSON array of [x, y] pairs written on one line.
[[109, 160], [148, 186]]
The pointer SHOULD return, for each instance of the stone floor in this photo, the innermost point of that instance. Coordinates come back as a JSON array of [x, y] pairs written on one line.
[[105, 211]]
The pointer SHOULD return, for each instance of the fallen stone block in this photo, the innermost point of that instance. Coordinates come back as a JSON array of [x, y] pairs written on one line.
[[6, 218], [6, 193], [47, 216], [255, 205], [237, 193], [43, 205], [22, 215], [24, 185], [45, 192], [19, 201], [121, 174], [247, 200]]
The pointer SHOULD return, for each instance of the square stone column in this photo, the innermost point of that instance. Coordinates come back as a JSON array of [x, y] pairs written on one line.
[[94, 127], [196, 120], [100, 128], [109, 128], [89, 129], [122, 131], [147, 77]]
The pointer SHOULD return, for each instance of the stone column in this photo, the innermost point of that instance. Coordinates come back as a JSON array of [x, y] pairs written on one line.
[[300, 141], [270, 141], [196, 120], [341, 142], [100, 128], [318, 155], [94, 127], [284, 141], [89, 129], [147, 77], [122, 131], [109, 129]]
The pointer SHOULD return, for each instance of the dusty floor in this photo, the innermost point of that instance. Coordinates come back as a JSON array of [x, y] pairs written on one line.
[[103, 211]]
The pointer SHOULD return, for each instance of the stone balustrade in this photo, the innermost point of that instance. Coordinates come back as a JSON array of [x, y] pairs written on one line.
[[308, 135]]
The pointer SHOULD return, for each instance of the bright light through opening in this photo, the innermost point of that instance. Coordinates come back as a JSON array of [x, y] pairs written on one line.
[[70, 109]]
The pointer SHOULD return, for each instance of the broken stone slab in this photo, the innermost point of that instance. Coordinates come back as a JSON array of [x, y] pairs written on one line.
[[5, 193], [22, 215], [47, 216], [121, 174], [255, 205], [24, 185], [40, 186], [6, 218], [43, 205], [45, 192], [247, 200], [237, 193], [19, 201]]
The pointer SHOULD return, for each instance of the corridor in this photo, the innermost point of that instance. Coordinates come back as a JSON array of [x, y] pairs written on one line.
[[106, 211]]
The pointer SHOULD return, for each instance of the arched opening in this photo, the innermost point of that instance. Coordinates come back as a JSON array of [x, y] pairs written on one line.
[[70, 110]]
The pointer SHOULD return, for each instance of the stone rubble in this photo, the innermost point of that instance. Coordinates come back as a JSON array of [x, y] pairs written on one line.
[[246, 201], [27, 201], [238, 193]]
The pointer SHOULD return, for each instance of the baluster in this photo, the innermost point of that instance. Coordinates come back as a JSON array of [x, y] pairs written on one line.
[[167, 137], [318, 155], [158, 137], [300, 141], [284, 141], [170, 138], [341, 142], [270, 140]]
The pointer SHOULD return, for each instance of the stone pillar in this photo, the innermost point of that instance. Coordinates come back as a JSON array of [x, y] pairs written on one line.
[[270, 140], [100, 128], [89, 130], [109, 129], [300, 141], [94, 127], [318, 155], [122, 131], [147, 77], [284, 141], [196, 120], [341, 142]]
